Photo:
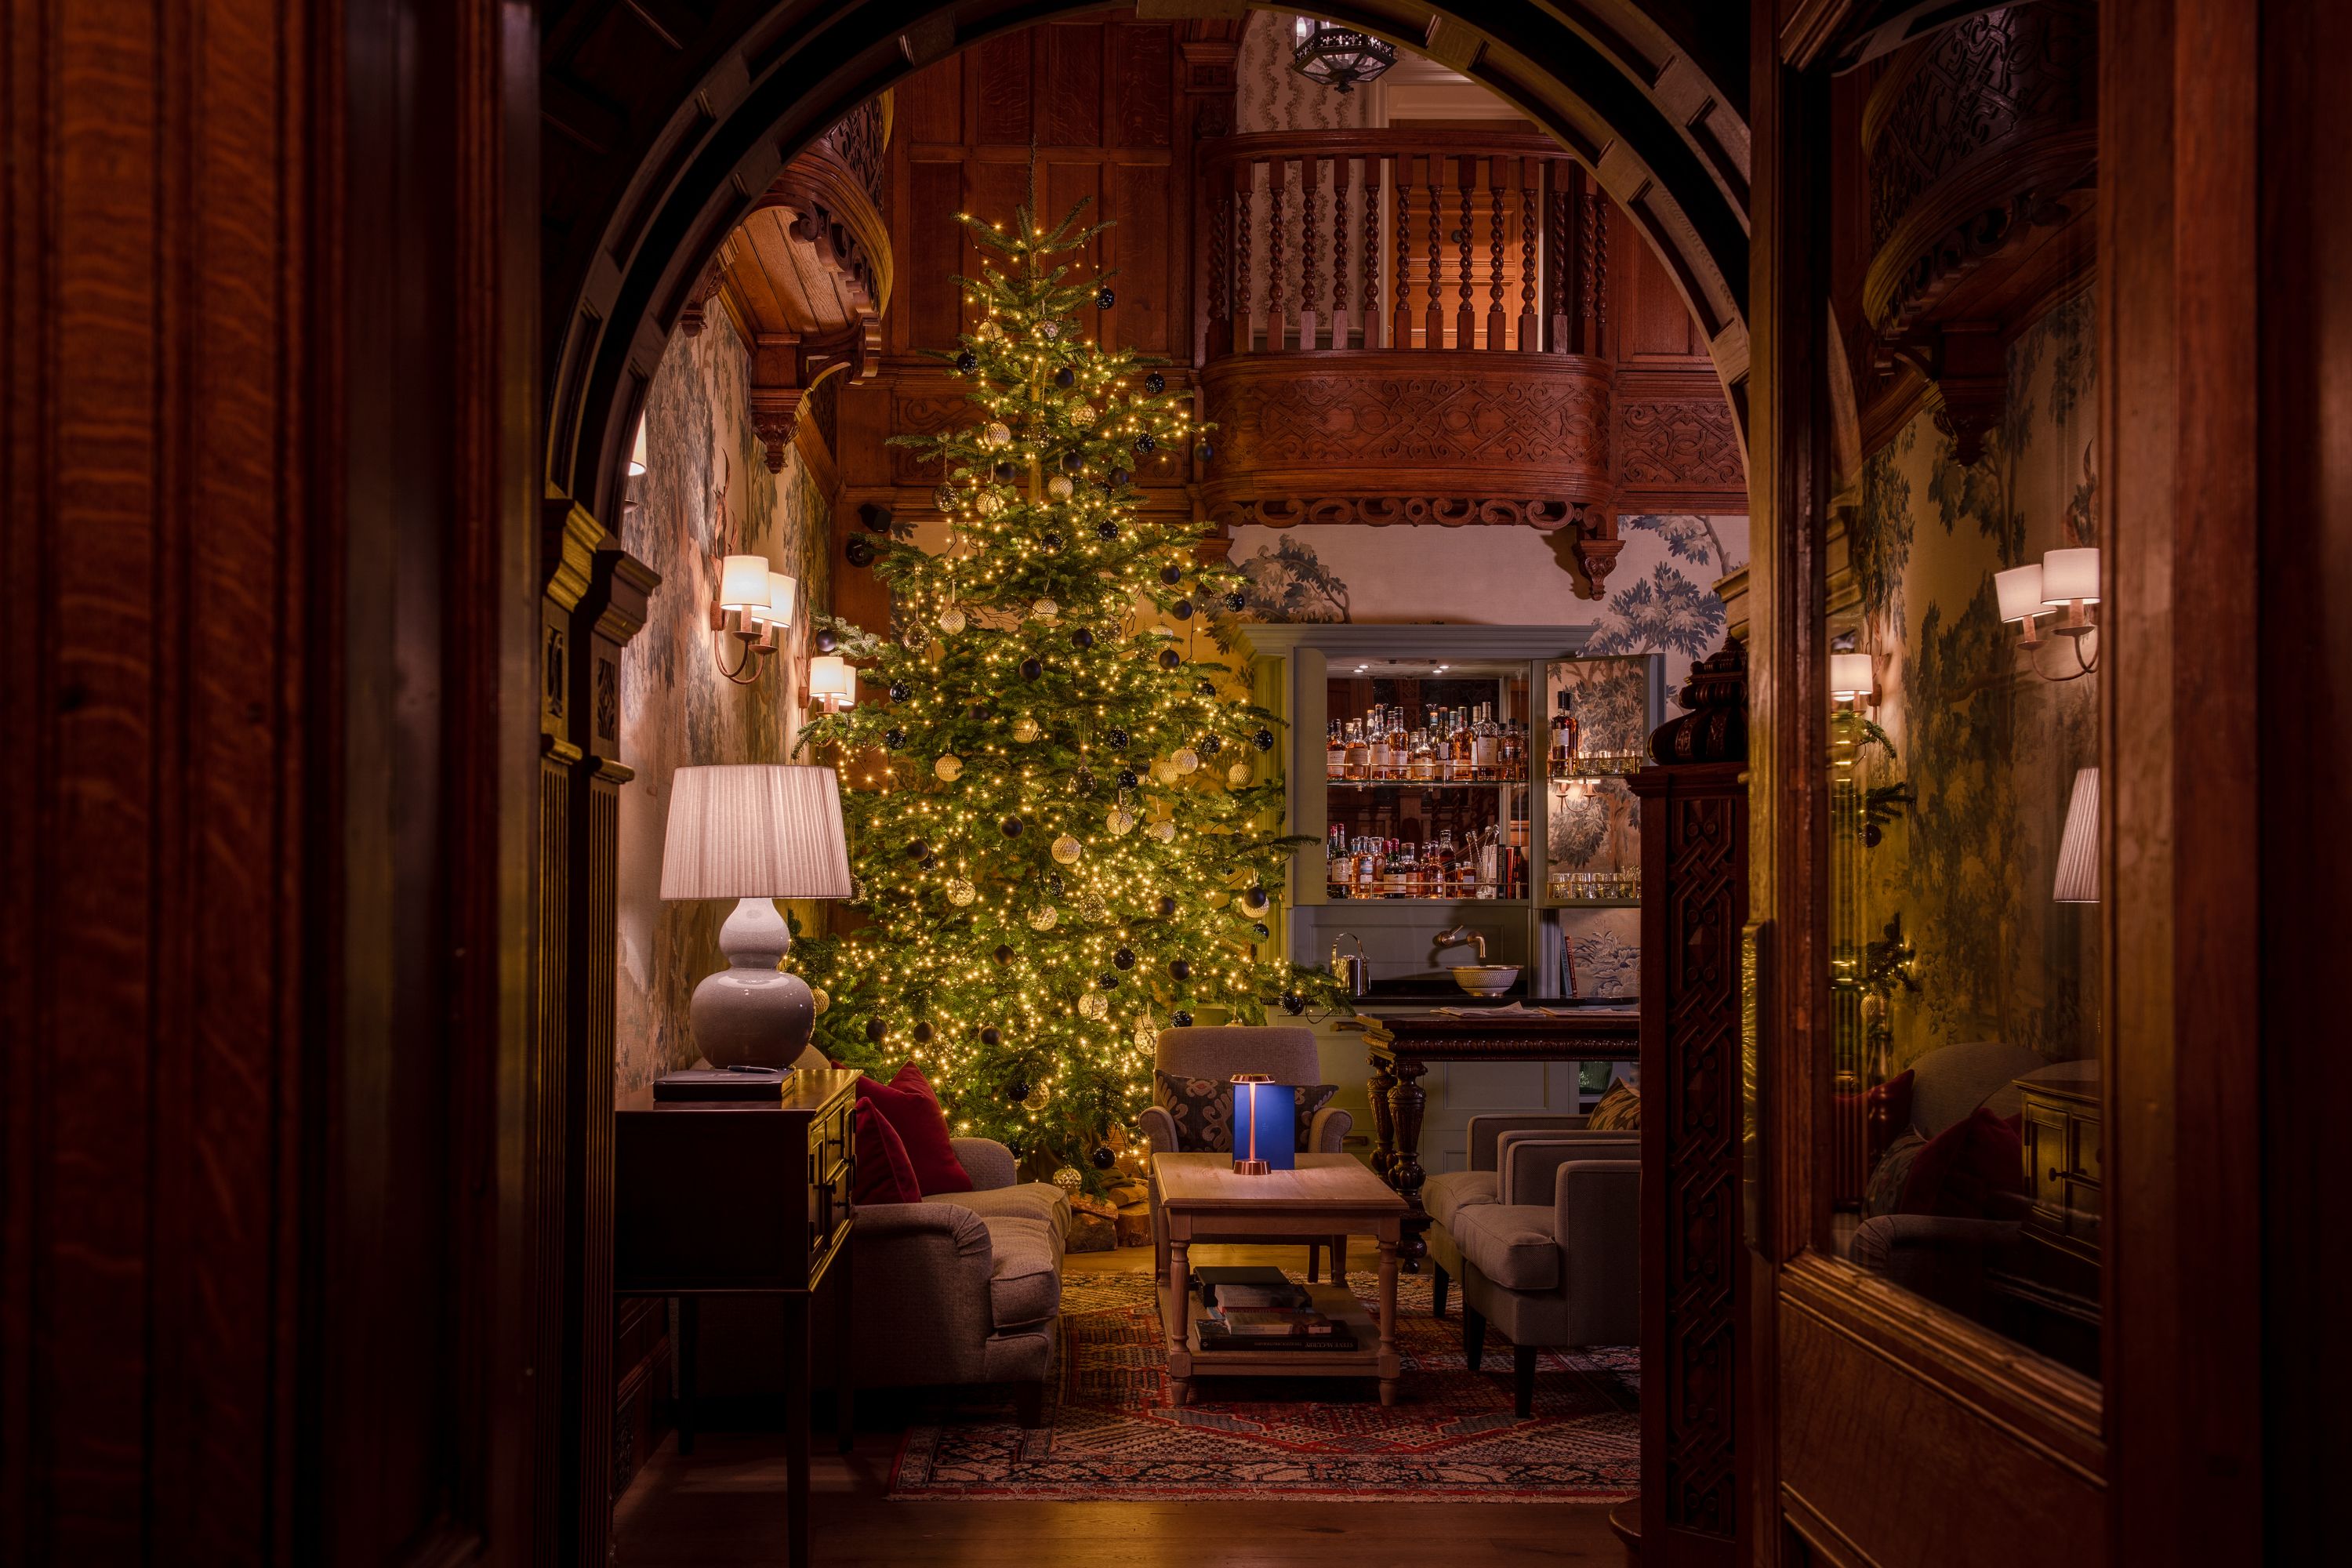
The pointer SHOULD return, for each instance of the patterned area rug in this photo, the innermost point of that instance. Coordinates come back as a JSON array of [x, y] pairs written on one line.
[[1112, 1434]]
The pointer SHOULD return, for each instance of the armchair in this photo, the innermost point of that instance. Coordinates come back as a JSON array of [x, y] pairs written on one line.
[[1286, 1054], [1554, 1257]]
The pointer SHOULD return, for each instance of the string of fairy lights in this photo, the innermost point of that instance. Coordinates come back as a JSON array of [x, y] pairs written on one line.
[[1063, 830]]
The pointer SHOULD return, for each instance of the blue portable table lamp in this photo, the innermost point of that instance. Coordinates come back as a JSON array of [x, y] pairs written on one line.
[[1265, 1125]]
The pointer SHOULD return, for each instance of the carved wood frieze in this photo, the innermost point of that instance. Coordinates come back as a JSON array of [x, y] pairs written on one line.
[[1398, 436], [1680, 453]]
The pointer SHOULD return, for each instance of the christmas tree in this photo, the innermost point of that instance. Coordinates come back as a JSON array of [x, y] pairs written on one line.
[[1071, 837]]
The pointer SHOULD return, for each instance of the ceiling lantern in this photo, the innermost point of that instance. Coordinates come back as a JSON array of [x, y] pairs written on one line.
[[1338, 56]]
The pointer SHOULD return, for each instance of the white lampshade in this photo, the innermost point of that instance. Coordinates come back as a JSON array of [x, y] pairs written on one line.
[[830, 680], [784, 590], [1850, 676], [743, 583], [2019, 588], [2070, 574], [755, 830], [2078, 851], [637, 451]]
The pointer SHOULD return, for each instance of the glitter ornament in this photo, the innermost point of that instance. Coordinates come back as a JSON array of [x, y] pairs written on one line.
[[1182, 1020], [989, 504], [1106, 299], [1127, 779], [1039, 1098], [1237, 601], [1084, 416], [817, 994], [1105, 530], [1116, 736], [1067, 850], [1051, 541], [1092, 910], [944, 497], [900, 691], [1163, 830], [998, 433], [961, 892], [967, 362], [1147, 1032], [1045, 917], [1058, 488], [1209, 746], [1049, 331], [1120, 821], [950, 768], [988, 332], [894, 738], [1186, 759], [1263, 740], [1094, 1006], [1068, 1180], [1024, 729], [1155, 383], [952, 620], [1238, 774], [1044, 610], [1145, 442], [1165, 771]]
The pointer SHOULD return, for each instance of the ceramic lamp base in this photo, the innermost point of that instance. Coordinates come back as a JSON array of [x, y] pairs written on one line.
[[752, 1013]]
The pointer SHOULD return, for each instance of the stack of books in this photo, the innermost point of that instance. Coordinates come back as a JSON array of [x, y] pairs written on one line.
[[1259, 1308]]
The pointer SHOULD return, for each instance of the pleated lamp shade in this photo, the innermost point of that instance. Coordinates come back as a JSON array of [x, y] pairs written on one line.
[[2078, 851], [755, 830]]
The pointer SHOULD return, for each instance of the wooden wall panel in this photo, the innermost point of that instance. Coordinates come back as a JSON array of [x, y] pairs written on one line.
[[997, 75], [928, 309], [929, 107], [1141, 85], [1069, 61], [1148, 316]]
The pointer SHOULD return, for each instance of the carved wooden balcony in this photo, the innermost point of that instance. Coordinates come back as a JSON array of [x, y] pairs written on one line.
[[1404, 327]]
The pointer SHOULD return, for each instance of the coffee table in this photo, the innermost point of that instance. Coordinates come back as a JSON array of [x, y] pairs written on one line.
[[1327, 1195]]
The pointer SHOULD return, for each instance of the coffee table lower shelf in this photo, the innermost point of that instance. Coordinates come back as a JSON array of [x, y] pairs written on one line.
[[1188, 1361]]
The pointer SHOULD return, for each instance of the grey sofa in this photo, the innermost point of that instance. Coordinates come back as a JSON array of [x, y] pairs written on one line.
[[1283, 1052], [1543, 1233], [962, 1288]]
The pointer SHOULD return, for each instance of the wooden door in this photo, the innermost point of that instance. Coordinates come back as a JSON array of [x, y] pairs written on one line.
[[1890, 1416]]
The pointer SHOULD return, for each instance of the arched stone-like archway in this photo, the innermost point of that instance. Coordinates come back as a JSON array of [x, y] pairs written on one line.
[[657, 142]]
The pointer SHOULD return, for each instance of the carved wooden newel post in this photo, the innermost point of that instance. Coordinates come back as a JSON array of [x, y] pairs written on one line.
[[1695, 887]]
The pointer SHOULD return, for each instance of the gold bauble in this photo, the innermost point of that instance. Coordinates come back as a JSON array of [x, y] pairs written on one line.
[[961, 892], [1044, 609], [1163, 830], [989, 504], [1066, 850], [1045, 917], [988, 332], [1164, 771], [816, 993], [998, 433], [1186, 759], [950, 767], [1041, 1095], [1082, 414], [1120, 821], [952, 620], [1238, 774], [1024, 728], [1094, 1005], [1059, 488]]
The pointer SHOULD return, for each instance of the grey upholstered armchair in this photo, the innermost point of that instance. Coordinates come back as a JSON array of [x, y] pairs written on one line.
[[1544, 1235], [1287, 1054]]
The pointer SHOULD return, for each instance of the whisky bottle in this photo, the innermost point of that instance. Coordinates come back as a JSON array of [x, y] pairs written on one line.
[[1568, 728], [1460, 762], [1423, 756], [1334, 754], [1358, 755]]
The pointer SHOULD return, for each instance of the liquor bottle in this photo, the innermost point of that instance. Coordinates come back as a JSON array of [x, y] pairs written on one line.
[[1448, 879], [1399, 743], [1334, 754], [1461, 760], [1567, 728], [1423, 755], [1367, 869], [1358, 756], [1466, 869]]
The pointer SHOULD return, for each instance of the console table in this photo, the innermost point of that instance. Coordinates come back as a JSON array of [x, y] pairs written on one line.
[[743, 1198], [1402, 1043]]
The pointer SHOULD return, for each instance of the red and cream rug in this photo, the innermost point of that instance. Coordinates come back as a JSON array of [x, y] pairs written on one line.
[[1112, 1434]]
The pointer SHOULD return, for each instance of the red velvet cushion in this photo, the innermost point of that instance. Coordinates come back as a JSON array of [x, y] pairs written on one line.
[[884, 1174], [1884, 1114], [915, 1115], [1972, 1170]]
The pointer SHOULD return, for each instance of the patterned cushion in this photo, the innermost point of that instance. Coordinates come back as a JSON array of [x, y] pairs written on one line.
[[1885, 1194], [1619, 1111], [1202, 1110]]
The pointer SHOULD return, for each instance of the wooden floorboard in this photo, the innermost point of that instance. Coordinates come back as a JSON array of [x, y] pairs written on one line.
[[724, 1505]]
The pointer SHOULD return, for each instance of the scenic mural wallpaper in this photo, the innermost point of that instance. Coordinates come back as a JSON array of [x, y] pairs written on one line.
[[1988, 747], [706, 491]]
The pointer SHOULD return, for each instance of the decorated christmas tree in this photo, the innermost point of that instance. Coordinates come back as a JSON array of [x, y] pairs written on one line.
[[1063, 822]]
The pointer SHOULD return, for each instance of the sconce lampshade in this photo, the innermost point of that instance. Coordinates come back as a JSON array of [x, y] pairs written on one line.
[[755, 830], [2078, 851], [2070, 574], [1264, 1124], [743, 583], [637, 451], [830, 680], [783, 589], [2020, 589], [1851, 677]]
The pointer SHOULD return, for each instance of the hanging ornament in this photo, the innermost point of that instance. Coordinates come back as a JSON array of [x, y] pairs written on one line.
[[1237, 601], [817, 995], [952, 620], [1082, 639], [1005, 472], [1118, 478], [1049, 540], [1043, 609], [998, 433], [1144, 441], [1209, 746], [1017, 1090], [1262, 930], [1205, 687], [894, 738], [1072, 462], [1181, 609], [1094, 1006], [1263, 740], [979, 711], [1127, 779], [1039, 1098], [1202, 453], [967, 362], [991, 1036], [1293, 1003], [1120, 821], [1147, 1032], [1155, 383], [1106, 299], [1011, 827], [1116, 737], [1165, 769], [950, 768], [1103, 1159], [1068, 1180], [1178, 969], [921, 849], [1182, 1020], [1067, 850], [1171, 575], [824, 642], [988, 332], [1169, 658], [1054, 883], [1082, 782], [1254, 899], [1124, 958], [1163, 830], [1059, 488], [944, 497], [1238, 774], [989, 504], [875, 1030], [922, 1033], [961, 892], [1092, 910], [1024, 728], [1045, 917], [1003, 954], [859, 551], [1105, 530], [1084, 416], [1031, 669], [900, 691], [1065, 378], [1186, 759], [1167, 905], [1049, 331]]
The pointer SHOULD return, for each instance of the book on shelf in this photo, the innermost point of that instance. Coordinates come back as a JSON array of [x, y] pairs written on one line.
[[1269, 1323], [1215, 1337], [1249, 1287]]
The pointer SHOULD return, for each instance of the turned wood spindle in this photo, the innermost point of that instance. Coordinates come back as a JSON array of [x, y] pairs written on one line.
[[1589, 294], [1433, 320], [1369, 292], [1340, 294], [1529, 173], [1310, 291], [1221, 305], [1245, 285], [1465, 316], [1557, 174], [1401, 276], [1494, 339], [1277, 325]]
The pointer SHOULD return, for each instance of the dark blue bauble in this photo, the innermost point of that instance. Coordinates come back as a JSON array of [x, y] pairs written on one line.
[[1293, 1003], [1004, 954], [1205, 687], [1183, 1019], [991, 1036], [1054, 883], [1102, 1158], [1124, 958], [1209, 746], [1169, 658], [1236, 601], [1118, 477], [1065, 378], [1126, 778], [967, 362], [1072, 462], [893, 738], [1117, 738], [1031, 669], [1181, 609], [1105, 530], [1050, 541], [1011, 826], [1262, 929], [1106, 299], [876, 1029], [1172, 576], [1145, 442], [1106, 980], [1167, 906], [1005, 472], [900, 691], [1202, 453], [1263, 740], [1178, 969], [1155, 383], [917, 850], [1016, 1092], [1082, 639]]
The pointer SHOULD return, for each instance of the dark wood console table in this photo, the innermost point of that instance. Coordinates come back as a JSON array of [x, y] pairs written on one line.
[[743, 1199], [1401, 1044]]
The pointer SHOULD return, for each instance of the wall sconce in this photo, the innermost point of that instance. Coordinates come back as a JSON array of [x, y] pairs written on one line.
[[2064, 580], [754, 609], [2078, 851], [832, 684], [1852, 680], [638, 452]]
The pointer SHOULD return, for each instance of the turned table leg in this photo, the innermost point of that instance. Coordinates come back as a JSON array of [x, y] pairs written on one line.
[[1406, 1102], [1180, 1304], [1391, 1365], [1383, 1129]]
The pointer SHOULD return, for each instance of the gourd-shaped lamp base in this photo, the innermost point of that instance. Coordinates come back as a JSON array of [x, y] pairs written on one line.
[[751, 1013]]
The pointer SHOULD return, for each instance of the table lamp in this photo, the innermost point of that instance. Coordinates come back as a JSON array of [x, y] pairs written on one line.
[[755, 832], [1264, 1124]]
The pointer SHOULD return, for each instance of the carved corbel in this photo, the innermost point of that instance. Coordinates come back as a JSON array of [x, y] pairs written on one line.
[[1597, 544], [785, 369], [698, 300], [1964, 362]]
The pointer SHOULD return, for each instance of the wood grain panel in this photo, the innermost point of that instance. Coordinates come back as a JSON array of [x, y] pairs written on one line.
[[929, 107], [928, 312], [1137, 198], [1141, 79], [1070, 58], [996, 76]]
